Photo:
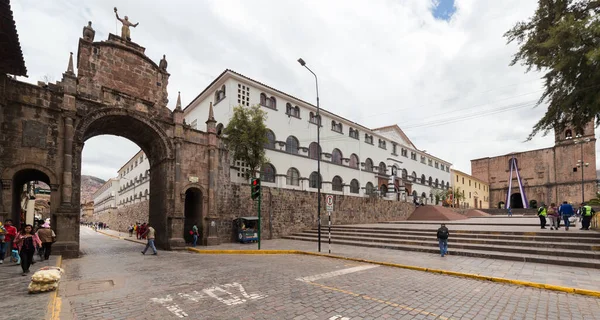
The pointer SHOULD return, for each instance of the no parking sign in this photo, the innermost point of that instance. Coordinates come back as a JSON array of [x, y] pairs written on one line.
[[329, 202]]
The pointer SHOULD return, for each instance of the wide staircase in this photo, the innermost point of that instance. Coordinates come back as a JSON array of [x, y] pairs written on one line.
[[570, 248]]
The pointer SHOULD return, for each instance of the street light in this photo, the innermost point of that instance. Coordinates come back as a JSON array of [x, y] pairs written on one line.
[[580, 163], [302, 63]]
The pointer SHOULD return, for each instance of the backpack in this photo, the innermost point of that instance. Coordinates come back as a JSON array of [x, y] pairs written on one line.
[[442, 233]]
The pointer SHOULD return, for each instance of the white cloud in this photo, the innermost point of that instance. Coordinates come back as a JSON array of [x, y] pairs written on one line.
[[379, 62]]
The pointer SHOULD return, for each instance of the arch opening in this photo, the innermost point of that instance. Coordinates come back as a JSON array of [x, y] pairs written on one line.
[[192, 213]]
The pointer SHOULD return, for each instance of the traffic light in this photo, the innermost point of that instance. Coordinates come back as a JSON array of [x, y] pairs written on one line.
[[255, 188]]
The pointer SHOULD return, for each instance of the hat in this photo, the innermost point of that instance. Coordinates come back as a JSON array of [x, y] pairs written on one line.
[[46, 225]]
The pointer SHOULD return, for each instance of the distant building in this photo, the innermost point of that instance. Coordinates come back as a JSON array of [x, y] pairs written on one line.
[[134, 180], [475, 191], [105, 198], [87, 210], [356, 160], [546, 175]]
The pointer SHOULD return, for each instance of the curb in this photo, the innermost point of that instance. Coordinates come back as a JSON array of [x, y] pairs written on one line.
[[54, 304], [537, 285], [118, 237]]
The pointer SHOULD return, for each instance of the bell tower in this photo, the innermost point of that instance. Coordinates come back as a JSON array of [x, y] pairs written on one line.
[[569, 133]]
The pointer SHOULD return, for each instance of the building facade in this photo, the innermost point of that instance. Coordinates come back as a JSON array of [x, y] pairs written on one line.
[[564, 172], [106, 197], [356, 160], [475, 192], [134, 180]]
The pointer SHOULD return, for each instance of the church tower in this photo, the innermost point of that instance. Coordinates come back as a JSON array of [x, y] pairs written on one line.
[[569, 133]]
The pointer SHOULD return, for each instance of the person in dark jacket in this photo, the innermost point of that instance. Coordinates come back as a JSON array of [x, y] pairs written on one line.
[[442, 236], [566, 211]]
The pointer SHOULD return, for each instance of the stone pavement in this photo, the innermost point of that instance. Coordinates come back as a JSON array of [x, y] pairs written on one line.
[[16, 302], [112, 280], [582, 278]]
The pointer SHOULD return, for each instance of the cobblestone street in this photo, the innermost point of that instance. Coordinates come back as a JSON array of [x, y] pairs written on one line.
[[113, 280]]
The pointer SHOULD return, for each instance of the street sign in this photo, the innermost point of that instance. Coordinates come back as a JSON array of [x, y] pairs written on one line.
[[329, 202]]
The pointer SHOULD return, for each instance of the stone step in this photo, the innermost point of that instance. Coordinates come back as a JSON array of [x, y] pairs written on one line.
[[587, 254], [587, 234], [451, 223], [537, 258], [542, 242], [541, 237]]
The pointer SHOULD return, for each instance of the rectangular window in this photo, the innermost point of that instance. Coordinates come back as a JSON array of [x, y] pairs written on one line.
[[394, 148], [422, 159], [437, 165], [442, 167], [404, 152], [413, 156], [469, 183], [382, 144], [430, 162], [368, 139], [447, 169], [456, 178], [463, 180], [469, 195]]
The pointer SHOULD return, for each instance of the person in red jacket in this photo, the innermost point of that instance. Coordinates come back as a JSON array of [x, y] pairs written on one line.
[[9, 237]]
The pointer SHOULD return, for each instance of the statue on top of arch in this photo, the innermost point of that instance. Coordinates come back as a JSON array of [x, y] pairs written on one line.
[[125, 28]]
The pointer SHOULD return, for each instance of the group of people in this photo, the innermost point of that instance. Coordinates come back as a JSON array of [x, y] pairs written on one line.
[[26, 242], [565, 212], [139, 230]]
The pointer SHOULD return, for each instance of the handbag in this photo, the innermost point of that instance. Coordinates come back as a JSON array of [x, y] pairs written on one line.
[[191, 233]]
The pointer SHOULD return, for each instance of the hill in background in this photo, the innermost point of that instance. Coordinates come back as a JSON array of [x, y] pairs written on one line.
[[89, 185]]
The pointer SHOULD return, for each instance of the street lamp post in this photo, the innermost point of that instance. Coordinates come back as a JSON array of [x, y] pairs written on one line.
[[581, 164], [302, 63]]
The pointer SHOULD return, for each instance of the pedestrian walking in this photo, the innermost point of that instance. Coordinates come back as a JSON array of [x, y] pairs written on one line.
[[47, 237], [149, 234], [542, 213], [586, 216], [27, 242], [7, 244], [130, 229], [509, 211], [195, 234], [553, 216], [442, 237], [566, 211]]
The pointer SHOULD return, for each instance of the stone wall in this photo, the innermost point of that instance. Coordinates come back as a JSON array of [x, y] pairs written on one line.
[[285, 211], [120, 219]]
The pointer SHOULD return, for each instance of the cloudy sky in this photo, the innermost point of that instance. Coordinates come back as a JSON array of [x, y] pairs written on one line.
[[438, 69]]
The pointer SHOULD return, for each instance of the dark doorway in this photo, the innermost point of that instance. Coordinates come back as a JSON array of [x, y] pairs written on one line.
[[193, 213], [20, 194], [515, 201]]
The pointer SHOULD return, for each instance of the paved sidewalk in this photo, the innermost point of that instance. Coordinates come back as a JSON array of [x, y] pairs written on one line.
[[581, 278], [16, 302]]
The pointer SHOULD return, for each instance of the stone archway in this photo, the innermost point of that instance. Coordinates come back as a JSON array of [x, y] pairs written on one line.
[[21, 176], [152, 139]]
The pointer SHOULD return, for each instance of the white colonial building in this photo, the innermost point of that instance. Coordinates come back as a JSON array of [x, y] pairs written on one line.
[[134, 180], [356, 160], [105, 198]]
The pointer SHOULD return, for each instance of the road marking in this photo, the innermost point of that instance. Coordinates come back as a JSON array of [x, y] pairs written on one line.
[[338, 317], [172, 307], [336, 273]]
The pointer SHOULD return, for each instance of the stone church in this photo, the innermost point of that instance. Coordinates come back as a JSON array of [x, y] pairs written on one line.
[[550, 175]]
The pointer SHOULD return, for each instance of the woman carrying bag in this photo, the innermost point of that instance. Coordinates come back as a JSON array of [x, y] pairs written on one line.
[[47, 236], [27, 242]]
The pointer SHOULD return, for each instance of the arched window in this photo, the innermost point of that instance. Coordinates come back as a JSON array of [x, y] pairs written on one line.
[[220, 94], [511, 161], [423, 195], [568, 134], [219, 129], [404, 174], [292, 177], [146, 192], [289, 110], [369, 165], [354, 163], [141, 177], [414, 176], [313, 118], [414, 194], [140, 195], [314, 180], [430, 181], [273, 103], [336, 184], [267, 173], [336, 156], [369, 189], [263, 99], [314, 151], [297, 111], [383, 190], [447, 185], [437, 183], [382, 168], [422, 179], [354, 186], [442, 185], [270, 140], [291, 145]]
